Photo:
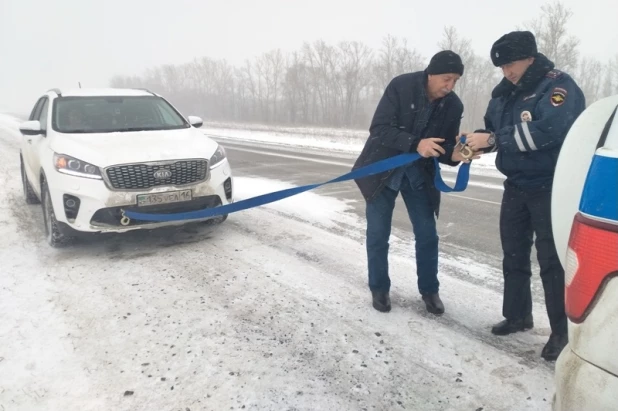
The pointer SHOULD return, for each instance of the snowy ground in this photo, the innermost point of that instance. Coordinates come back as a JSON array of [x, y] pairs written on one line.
[[268, 311]]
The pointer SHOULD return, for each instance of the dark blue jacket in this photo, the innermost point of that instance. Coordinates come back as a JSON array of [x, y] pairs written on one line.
[[531, 121], [391, 132]]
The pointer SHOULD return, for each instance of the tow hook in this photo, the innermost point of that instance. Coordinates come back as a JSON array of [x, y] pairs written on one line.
[[125, 221]]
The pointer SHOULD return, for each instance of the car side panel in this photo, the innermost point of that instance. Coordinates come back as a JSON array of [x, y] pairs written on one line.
[[596, 339], [580, 386], [28, 153]]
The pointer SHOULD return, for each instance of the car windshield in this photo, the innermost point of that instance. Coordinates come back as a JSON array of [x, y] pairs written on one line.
[[107, 114]]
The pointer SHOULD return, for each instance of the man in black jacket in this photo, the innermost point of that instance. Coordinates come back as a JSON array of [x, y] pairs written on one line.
[[527, 120], [417, 113]]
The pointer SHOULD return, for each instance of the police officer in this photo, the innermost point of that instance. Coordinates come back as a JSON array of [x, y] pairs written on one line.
[[418, 112], [527, 119]]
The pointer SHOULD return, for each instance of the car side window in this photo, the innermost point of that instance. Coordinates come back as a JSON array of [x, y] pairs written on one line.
[[43, 115], [36, 111]]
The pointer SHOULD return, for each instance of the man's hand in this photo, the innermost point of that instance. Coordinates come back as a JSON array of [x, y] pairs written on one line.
[[429, 147], [477, 141], [458, 155]]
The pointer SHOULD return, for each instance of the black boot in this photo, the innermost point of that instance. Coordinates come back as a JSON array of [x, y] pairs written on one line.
[[433, 303], [381, 301], [512, 326], [554, 346]]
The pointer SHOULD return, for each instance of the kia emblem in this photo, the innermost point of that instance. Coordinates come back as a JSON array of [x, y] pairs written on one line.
[[162, 174]]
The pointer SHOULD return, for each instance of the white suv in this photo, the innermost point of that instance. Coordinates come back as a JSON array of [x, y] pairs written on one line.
[[89, 154], [585, 223]]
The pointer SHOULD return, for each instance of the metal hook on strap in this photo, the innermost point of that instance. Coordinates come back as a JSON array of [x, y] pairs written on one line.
[[464, 149], [124, 220], [466, 152]]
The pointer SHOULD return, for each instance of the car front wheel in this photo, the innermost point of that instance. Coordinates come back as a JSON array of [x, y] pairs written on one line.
[[216, 220], [54, 235]]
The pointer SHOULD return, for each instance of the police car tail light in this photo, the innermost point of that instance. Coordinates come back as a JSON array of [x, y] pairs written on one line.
[[591, 261]]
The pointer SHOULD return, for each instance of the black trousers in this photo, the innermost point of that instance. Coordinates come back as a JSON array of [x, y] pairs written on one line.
[[522, 214]]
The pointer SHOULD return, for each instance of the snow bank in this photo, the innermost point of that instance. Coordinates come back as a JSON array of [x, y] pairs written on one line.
[[9, 125], [325, 211]]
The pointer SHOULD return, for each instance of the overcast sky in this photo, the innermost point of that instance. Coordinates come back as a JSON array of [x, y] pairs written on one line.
[[56, 43]]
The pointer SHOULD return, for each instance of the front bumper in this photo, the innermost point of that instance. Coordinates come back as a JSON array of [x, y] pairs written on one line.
[[581, 386], [97, 208]]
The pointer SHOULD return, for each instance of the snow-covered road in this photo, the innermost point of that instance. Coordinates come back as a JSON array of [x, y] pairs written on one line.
[[268, 311]]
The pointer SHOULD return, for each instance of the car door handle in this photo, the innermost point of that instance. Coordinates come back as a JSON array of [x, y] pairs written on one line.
[[29, 141]]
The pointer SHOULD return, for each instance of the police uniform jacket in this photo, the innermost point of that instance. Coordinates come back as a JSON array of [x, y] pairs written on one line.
[[531, 120]]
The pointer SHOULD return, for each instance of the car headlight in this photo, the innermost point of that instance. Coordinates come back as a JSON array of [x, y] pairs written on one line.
[[218, 157], [72, 166]]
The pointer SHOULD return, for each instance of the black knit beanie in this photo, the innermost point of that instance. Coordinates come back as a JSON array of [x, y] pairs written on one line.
[[513, 46], [445, 61]]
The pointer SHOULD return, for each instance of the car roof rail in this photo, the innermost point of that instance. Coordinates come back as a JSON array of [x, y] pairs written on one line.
[[55, 90], [145, 89]]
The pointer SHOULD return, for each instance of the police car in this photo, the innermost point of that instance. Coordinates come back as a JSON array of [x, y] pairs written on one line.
[[585, 222], [90, 155]]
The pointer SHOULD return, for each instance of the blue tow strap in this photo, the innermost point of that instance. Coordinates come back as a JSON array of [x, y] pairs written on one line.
[[461, 183]]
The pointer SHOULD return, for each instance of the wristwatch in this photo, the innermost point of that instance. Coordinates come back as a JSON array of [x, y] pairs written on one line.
[[492, 139]]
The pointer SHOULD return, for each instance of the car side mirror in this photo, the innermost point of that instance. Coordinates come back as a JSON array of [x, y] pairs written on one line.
[[196, 122], [31, 128]]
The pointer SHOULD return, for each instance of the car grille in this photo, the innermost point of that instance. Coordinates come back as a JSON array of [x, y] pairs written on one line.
[[142, 176]]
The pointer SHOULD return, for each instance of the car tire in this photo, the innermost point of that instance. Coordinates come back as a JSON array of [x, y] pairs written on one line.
[[54, 235], [29, 193], [217, 220]]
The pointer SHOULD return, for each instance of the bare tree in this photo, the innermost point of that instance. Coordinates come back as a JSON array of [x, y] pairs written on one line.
[[475, 86], [393, 59], [451, 40], [552, 38], [590, 79], [297, 90], [613, 73], [354, 76], [321, 59], [341, 84]]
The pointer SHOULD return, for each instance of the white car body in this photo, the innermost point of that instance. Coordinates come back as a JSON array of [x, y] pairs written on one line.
[[125, 161], [585, 223]]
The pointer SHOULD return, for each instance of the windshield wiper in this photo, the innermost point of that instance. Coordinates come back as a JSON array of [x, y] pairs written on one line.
[[132, 129], [78, 131]]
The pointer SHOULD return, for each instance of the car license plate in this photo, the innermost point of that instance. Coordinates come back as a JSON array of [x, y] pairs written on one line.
[[164, 198]]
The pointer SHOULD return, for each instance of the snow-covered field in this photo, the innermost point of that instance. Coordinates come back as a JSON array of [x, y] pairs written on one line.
[[270, 311]]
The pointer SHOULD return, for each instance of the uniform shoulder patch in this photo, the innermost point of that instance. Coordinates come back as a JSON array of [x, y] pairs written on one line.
[[553, 74], [558, 96]]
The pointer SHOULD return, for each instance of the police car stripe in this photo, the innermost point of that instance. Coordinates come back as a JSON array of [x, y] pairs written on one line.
[[600, 195], [518, 140], [528, 136]]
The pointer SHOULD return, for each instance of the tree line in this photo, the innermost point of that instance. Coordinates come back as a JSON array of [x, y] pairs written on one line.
[[339, 85]]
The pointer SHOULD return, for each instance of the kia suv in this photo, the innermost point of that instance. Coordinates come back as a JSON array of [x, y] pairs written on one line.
[[585, 221], [89, 155]]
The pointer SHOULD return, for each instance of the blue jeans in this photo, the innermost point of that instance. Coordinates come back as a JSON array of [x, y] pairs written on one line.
[[379, 213]]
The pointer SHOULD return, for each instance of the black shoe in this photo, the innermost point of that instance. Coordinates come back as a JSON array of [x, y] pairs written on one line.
[[512, 326], [554, 346], [381, 301], [433, 303]]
